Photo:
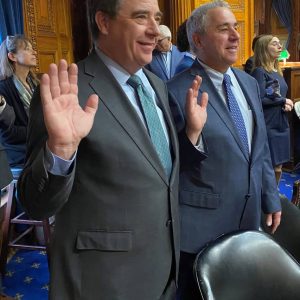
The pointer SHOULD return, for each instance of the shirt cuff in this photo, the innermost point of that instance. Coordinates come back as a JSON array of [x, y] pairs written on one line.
[[200, 145], [57, 165]]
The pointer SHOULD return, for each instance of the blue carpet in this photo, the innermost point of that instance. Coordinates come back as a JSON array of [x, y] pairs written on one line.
[[27, 276], [286, 183]]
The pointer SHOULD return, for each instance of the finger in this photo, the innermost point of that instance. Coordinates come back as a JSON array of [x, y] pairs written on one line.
[[46, 96], [269, 220], [92, 104], [73, 78], [190, 100], [63, 77], [53, 77], [204, 100], [276, 222], [196, 84]]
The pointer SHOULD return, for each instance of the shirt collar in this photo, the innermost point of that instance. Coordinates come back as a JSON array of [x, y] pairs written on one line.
[[215, 75], [118, 71]]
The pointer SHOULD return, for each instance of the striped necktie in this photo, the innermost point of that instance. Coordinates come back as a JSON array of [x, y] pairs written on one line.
[[153, 122], [235, 112]]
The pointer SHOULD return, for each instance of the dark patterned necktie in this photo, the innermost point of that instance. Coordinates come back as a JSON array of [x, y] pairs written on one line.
[[153, 122], [235, 112]]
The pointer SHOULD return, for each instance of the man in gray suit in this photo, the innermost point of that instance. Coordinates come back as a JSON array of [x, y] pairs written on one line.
[[99, 170], [227, 191]]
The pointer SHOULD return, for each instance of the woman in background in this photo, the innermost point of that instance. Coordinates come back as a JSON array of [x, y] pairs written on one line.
[[273, 90], [17, 85]]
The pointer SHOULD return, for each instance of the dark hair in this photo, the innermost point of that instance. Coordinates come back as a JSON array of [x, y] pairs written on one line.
[[255, 39], [110, 7], [182, 38]]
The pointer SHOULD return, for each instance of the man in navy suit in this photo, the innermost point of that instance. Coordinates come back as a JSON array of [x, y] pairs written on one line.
[[228, 190], [166, 56]]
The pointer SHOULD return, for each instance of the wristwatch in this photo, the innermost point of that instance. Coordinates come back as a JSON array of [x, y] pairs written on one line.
[[2, 100]]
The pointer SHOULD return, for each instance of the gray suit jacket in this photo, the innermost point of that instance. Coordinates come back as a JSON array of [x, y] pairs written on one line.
[[116, 232], [226, 191]]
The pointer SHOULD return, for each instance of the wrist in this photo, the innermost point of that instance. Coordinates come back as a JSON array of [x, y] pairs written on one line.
[[63, 151], [193, 136]]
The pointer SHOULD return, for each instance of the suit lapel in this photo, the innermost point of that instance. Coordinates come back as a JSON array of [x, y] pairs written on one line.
[[161, 63], [216, 102], [115, 100]]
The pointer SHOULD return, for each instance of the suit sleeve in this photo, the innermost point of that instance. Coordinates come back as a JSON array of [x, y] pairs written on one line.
[[41, 193], [10, 132], [267, 100], [270, 196], [189, 154]]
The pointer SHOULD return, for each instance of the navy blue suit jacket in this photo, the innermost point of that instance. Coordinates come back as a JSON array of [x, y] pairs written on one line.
[[157, 65], [227, 190]]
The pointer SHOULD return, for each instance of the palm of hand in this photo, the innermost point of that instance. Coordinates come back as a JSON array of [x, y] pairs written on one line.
[[66, 122], [196, 112]]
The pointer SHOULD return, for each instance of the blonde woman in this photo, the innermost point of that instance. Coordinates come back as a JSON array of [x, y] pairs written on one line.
[[17, 84], [273, 90]]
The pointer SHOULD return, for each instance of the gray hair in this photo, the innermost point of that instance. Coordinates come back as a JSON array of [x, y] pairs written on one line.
[[10, 45], [165, 31], [197, 22], [110, 7]]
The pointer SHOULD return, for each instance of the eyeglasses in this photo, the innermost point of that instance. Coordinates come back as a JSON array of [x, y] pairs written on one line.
[[159, 41]]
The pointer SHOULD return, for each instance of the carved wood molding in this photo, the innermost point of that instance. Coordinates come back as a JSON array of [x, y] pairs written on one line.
[[47, 24], [30, 26]]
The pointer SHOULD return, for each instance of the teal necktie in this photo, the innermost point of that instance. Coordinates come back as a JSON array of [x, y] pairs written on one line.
[[153, 122]]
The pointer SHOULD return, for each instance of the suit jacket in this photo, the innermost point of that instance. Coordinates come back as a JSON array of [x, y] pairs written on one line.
[[157, 65], [5, 173], [13, 124], [116, 229], [227, 190]]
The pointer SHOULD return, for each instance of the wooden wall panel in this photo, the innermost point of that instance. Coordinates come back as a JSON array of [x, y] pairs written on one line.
[[47, 24]]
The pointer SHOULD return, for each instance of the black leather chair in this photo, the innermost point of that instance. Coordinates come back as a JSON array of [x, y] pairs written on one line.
[[247, 265], [288, 233]]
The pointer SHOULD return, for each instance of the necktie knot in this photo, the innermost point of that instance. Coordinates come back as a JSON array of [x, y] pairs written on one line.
[[134, 81], [227, 80]]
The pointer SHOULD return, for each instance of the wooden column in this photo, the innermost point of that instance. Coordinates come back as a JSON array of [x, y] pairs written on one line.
[[179, 11]]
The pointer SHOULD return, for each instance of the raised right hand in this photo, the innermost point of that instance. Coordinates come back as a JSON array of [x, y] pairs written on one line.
[[66, 122]]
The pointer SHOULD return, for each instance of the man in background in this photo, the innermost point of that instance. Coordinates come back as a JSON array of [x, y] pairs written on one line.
[[166, 56], [109, 175], [227, 191]]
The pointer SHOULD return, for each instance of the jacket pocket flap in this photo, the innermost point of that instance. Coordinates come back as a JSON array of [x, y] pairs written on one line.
[[199, 199], [104, 240]]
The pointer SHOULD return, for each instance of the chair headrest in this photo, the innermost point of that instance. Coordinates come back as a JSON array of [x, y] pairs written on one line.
[[246, 265]]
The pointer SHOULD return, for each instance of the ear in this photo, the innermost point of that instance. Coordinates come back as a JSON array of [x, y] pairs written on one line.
[[197, 40], [102, 20], [11, 56]]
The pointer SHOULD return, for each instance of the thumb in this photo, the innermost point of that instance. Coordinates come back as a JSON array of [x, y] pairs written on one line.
[[92, 104]]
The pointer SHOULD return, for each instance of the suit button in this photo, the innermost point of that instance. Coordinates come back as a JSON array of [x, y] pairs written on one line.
[[169, 223]]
